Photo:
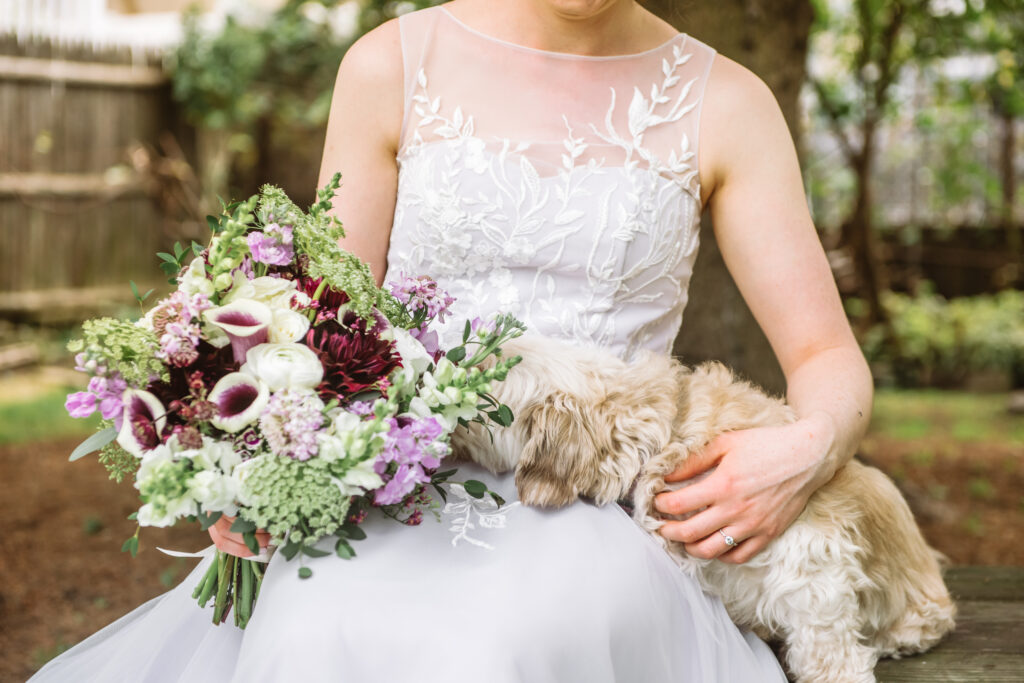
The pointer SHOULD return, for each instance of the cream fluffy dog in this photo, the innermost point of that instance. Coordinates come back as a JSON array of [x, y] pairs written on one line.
[[850, 581]]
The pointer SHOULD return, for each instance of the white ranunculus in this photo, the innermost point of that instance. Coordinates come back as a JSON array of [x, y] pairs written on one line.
[[275, 292], [194, 280], [214, 492], [287, 326], [284, 366], [413, 354]]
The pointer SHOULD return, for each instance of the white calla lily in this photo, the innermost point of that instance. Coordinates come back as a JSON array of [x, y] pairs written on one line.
[[245, 321], [142, 422], [239, 398]]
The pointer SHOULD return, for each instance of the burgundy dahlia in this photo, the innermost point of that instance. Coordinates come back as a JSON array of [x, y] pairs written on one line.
[[353, 357]]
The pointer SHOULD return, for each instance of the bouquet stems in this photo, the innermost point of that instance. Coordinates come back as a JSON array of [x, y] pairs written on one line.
[[232, 582]]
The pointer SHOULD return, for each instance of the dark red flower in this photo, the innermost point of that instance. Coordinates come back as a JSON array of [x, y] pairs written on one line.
[[330, 299], [353, 357]]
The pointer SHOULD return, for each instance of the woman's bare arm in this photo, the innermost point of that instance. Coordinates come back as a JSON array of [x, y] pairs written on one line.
[[768, 240], [362, 141]]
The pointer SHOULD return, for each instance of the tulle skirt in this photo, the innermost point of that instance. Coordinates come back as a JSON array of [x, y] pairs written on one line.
[[510, 595]]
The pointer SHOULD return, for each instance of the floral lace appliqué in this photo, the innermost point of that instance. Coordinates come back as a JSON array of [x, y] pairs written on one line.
[[592, 242], [470, 514]]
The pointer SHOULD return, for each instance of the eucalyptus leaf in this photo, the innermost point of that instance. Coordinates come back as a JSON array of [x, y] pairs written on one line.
[[457, 354], [313, 551], [305, 572], [93, 443]]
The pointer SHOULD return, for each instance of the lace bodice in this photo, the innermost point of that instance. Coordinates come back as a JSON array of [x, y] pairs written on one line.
[[560, 188]]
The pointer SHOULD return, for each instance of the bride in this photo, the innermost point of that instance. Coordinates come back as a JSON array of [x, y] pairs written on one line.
[[549, 158]]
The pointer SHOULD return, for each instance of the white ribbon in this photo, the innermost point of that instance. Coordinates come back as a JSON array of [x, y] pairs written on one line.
[[264, 555]]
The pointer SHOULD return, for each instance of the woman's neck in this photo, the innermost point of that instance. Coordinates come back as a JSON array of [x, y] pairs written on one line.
[[583, 27]]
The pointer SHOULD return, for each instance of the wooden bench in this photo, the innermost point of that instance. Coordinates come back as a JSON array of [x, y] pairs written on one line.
[[988, 644]]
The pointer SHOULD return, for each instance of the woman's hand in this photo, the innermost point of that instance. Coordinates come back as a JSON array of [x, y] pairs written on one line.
[[231, 542], [760, 482]]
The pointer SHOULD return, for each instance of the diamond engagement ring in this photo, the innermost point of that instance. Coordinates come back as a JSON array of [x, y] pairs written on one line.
[[729, 540]]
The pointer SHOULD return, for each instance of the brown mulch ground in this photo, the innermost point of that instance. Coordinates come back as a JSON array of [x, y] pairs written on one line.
[[62, 577]]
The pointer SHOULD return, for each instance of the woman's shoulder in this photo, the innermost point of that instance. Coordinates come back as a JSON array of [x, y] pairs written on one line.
[[376, 56], [739, 113]]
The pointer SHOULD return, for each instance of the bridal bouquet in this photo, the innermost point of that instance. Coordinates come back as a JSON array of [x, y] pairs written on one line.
[[278, 386]]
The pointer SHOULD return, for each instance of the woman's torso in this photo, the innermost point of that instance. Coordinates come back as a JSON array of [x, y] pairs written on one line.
[[560, 188]]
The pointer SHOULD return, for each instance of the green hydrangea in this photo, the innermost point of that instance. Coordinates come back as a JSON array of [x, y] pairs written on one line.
[[298, 499], [122, 346]]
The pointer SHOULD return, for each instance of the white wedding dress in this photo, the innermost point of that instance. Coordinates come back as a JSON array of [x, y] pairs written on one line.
[[563, 189]]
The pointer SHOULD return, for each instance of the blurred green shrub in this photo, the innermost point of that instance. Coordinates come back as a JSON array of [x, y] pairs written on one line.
[[932, 341], [283, 68]]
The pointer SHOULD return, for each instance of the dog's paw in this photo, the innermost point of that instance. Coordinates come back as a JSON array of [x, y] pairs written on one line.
[[540, 489]]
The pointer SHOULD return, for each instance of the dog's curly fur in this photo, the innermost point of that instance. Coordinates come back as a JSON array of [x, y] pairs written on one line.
[[850, 581]]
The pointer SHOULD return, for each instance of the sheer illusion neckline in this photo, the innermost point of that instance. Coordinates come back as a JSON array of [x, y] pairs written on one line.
[[557, 55]]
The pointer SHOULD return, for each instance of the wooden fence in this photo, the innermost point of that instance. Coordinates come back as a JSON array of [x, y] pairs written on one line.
[[72, 212]]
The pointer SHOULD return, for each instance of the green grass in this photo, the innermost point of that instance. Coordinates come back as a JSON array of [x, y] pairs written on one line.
[[955, 416], [40, 419]]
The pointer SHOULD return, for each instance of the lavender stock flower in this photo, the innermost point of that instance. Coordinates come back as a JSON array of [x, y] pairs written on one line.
[[412, 444], [272, 246]]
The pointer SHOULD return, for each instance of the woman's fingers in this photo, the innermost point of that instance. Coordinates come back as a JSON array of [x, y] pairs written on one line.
[[232, 546], [232, 542], [689, 499], [696, 463]]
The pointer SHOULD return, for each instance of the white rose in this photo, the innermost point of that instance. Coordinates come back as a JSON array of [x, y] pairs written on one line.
[[413, 354], [284, 366], [287, 326], [215, 492], [194, 280]]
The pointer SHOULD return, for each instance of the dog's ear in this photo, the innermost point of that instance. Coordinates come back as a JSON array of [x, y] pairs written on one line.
[[559, 456]]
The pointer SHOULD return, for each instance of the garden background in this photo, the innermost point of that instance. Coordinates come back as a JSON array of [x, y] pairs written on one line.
[[123, 122]]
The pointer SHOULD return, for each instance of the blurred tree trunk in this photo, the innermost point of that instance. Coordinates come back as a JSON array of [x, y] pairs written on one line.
[[770, 38]]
